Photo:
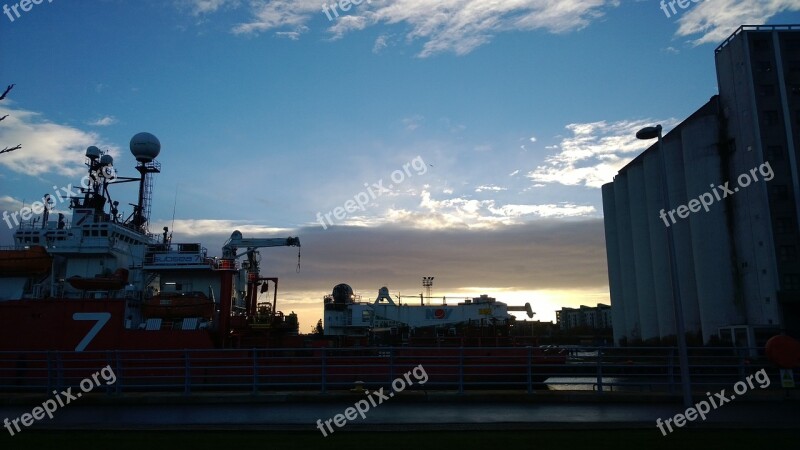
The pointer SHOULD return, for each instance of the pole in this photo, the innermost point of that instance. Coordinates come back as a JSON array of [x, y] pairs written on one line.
[[683, 355]]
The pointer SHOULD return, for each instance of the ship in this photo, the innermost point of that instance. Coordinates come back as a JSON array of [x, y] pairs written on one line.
[[103, 282]]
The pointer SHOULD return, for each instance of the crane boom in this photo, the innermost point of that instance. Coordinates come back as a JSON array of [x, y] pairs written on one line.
[[236, 241]]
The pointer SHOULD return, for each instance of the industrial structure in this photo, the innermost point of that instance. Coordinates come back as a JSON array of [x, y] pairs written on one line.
[[734, 187], [584, 318]]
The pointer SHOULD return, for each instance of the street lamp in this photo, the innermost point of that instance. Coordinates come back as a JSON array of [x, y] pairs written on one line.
[[683, 356]]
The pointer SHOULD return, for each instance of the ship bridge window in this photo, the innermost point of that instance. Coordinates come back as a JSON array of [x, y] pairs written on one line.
[[366, 316]]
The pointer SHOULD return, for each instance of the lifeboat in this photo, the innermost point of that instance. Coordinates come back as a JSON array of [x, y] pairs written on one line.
[[178, 305], [28, 262], [114, 282]]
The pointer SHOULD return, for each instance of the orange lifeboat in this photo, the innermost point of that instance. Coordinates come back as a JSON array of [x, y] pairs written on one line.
[[28, 262], [178, 305], [113, 283]]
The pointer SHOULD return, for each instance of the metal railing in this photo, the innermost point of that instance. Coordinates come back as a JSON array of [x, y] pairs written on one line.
[[598, 369]]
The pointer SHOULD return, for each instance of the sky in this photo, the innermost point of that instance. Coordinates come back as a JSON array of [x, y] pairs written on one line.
[[461, 139]]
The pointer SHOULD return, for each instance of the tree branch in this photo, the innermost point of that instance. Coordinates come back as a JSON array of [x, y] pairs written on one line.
[[9, 150], [8, 89]]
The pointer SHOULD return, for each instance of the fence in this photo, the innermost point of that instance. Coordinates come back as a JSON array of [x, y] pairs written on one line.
[[600, 369]]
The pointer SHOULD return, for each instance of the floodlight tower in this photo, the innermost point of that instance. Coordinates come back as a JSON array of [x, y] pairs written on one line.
[[427, 283]]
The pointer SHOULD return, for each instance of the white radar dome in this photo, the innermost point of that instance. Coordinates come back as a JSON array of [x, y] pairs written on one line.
[[93, 152], [145, 147]]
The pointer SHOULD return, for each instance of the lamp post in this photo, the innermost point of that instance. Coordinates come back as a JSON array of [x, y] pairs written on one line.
[[683, 356]]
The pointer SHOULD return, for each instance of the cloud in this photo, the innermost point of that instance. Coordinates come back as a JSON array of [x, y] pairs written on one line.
[[104, 121], [594, 152], [46, 146], [414, 122], [200, 7], [380, 43], [454, 26], [490, 187], [546, 254], [715, 20], [461, 213]]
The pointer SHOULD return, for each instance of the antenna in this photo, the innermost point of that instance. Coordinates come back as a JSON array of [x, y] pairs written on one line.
[[174, 207]]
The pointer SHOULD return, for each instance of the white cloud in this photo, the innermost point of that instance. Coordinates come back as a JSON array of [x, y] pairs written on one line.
[[413, 122], [46, 146], [455, 26], [490, 187], [594, 152], [715, 20], [104, 121], [380, 43], [199, 7], [461, 213]]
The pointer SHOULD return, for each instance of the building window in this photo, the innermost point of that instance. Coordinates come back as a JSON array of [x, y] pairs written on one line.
[[771, 118], [788, 253], [783, 225], [779, 192], [775, 153], [791, 282]]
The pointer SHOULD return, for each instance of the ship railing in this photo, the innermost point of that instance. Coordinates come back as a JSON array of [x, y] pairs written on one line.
[[526, 370]]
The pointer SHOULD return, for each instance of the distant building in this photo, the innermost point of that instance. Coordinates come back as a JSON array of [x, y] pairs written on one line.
[[736, 243], [585, 317]]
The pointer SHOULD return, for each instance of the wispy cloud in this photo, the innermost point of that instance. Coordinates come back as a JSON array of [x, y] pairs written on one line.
[[103, 121], [594, 152], [455, 26], [47, 147], [715, 20]]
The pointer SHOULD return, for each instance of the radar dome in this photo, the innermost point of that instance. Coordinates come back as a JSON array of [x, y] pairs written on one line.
[[342, 293], [106, 160], [145, 147], [93, 152]]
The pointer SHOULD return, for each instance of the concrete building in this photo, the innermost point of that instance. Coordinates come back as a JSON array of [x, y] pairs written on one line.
[[585, 317], [734, 190]]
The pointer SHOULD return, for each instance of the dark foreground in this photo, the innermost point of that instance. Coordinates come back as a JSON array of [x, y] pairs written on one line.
[[418, 440]]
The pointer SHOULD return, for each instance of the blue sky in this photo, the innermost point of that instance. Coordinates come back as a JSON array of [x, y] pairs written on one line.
[[269, 113]]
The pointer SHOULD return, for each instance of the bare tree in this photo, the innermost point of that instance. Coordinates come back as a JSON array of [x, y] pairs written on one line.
[[3, 97]]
